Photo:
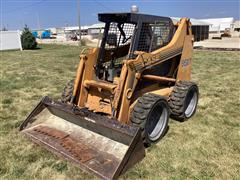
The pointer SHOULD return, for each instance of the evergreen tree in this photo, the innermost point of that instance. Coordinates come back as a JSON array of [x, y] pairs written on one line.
[[27, 39]]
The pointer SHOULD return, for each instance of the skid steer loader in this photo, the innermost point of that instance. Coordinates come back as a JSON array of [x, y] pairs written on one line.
[[122, 96]]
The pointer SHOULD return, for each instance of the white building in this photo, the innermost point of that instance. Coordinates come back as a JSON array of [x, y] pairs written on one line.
[[218, 25], [195, 22], [96, 29], [10, 40]]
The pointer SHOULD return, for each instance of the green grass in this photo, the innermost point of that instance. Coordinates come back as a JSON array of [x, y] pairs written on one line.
[[205, 147]]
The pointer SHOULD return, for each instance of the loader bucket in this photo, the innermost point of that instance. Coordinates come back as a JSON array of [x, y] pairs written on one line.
[[95, 143]]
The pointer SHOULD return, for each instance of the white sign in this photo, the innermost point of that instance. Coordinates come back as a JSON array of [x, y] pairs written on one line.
[[10, 40]]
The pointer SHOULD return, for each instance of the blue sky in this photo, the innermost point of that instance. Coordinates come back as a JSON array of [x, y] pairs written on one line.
[[57, 13]]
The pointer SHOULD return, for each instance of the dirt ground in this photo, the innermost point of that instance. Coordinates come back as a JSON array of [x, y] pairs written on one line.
[[88, 42], [220, 43]]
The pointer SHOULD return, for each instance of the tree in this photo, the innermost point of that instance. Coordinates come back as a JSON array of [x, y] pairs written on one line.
[[27, 39]]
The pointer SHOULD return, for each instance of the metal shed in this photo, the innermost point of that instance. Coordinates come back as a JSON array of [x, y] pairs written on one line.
[[200, 29]]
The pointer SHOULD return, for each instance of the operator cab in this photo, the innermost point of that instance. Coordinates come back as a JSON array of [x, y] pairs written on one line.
[[125, 33]]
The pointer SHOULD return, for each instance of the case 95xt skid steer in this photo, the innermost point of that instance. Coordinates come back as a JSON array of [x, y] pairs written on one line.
[[122, 96]]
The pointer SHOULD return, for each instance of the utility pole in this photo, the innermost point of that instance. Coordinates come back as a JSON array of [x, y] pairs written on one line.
[[38, 21], [79, 26]]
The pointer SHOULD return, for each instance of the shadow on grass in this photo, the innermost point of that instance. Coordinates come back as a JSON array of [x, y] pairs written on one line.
[[37, 48]]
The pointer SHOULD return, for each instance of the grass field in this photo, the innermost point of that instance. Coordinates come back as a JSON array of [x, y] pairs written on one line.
[[205, 147]]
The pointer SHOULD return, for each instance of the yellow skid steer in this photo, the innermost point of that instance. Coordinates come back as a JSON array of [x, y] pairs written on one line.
[[122, 96]]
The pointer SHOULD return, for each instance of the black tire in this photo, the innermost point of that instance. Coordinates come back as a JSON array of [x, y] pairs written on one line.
[[151, 114], [183, 100], [67, 92]]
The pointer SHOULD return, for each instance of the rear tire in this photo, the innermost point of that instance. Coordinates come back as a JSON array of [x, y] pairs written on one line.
[[67, 92], [183, 100], [151, 114]]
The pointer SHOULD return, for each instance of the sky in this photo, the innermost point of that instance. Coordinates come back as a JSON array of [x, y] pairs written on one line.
[[58, 13]]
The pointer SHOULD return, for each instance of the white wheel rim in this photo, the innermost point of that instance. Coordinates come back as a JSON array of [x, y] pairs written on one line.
[[160, 125], [192, 105]]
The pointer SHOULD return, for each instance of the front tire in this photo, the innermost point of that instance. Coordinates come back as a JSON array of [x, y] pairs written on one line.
[[151, 114]]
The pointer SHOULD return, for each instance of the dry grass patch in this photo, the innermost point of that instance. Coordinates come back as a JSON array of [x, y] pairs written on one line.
[[205, 147]]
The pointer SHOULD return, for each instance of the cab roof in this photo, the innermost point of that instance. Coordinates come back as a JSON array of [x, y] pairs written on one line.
[[131, 18]]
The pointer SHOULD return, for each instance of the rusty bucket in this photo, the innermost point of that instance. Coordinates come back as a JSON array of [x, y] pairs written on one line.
[[95, 143]]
